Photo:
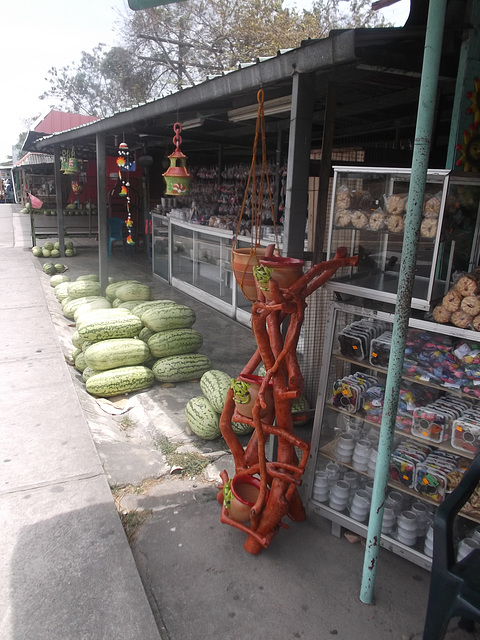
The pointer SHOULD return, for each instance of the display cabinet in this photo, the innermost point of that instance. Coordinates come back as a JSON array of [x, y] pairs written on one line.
[[367, 215], [160, 264], [437, 427], [197, 259]]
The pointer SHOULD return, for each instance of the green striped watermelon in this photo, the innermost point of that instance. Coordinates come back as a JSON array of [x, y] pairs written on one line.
[[215, 385], [202, 418], [190, 366]]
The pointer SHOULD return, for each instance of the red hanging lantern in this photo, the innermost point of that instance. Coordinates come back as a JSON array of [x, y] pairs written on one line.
[[177, 179]]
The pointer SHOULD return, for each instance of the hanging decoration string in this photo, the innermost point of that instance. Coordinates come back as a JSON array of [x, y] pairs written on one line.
[[123, 163], [256, 183]]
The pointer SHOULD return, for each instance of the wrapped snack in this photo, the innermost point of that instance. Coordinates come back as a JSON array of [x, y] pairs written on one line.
[[396, 204], [428, 228], [451, 301], [432, 206], [343, 218], [466, 285], [461, 319], [441, 315], [342, 198], [360, 219], [471, 305], [395, 223], [378, 220]]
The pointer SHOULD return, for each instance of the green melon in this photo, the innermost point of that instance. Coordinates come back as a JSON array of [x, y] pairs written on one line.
[[202, 418], [215, 385]]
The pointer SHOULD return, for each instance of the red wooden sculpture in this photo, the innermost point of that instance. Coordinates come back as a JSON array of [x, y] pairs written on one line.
[[279, 479]]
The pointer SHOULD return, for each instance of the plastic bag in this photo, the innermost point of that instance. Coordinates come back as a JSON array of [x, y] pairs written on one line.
[[36, 202]]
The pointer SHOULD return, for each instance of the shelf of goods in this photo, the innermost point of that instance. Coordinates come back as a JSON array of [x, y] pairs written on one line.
[[216, 198], [437, 427], [367, 215], [77, 221]]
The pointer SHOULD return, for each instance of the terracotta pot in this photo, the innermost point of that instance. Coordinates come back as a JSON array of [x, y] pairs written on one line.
[[285, 271], [245, 490], [246, 408], [243, 261]]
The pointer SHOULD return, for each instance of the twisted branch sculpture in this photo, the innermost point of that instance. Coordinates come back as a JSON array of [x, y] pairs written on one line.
[[279, 355]]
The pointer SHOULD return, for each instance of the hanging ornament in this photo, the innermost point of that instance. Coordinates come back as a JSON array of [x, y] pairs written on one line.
[[177, 178], [123, 164]]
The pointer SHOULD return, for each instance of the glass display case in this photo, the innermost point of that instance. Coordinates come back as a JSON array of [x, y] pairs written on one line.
[[197, 259], [160, 263], [437, 427], [368, 215]]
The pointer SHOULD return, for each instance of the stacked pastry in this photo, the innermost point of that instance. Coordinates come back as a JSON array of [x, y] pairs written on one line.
[[461, 304], [358, 209]]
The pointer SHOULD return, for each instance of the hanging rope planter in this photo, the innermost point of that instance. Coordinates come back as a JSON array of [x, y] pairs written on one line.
[[123, 162], [259, 189]]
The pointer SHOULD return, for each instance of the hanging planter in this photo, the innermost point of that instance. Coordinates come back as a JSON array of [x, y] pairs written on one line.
[[177, 179], [243, 263], [240, 496], [245, 392], [72, 166], [285, 271], [258, 188]]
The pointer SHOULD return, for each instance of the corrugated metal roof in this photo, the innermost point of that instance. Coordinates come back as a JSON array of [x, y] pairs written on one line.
[[32, 158], [56, 121]]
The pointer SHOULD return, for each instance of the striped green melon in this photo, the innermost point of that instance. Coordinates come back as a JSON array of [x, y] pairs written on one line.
[[77, 340], [145, 334], [111, 289], [298, 405], [37, 252], [100, 303], [98, 314], [122, 380], [92, 277], [130, 304], [83, 288], [202, 418], [88, 343], [134, 292], [49, 268], [122, 326], [122, 352], [141, 307], [215, 385], [76, 352], [174, 342], [190, 366], [61, 291], [241, 429], [88, 372], [80, 363], [70, 306], [177, 316], [58, 278]]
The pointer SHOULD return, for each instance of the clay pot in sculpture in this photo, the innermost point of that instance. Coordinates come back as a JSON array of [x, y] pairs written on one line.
[[244, 494], [245, 392], [243, 261], [285, 271]]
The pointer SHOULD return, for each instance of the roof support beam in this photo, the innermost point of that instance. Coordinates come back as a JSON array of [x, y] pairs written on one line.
[[59, 198], [296, 202], [102, 210]]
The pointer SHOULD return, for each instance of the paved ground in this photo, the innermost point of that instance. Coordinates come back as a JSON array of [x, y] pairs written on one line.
[[66, 568]]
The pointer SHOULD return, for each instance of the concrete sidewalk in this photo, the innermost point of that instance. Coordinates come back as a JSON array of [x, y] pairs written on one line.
[[67, 571]]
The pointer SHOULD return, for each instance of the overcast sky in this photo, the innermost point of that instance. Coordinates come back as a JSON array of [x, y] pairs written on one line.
[[37, 35]]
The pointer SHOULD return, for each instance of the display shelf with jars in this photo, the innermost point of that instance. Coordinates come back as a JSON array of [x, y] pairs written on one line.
[[437, 429], [367, 215]]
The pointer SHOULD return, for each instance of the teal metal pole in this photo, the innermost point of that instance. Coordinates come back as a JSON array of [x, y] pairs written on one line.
[[421, 151]]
